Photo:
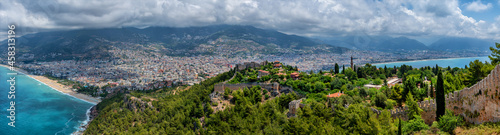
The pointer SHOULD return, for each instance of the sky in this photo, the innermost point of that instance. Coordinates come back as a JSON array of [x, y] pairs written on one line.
[[424, 20]]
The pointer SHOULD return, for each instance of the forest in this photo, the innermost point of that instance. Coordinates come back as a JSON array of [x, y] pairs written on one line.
[[190, 111]]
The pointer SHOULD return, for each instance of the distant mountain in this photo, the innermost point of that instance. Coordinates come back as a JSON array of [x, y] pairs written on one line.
[[461, 44], [377, 43], [207, 40]]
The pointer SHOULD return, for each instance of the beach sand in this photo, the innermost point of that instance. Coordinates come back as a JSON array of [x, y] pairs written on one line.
[[59, 87]]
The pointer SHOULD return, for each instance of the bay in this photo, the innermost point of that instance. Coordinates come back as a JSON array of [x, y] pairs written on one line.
[[39, 109], [452, 62]]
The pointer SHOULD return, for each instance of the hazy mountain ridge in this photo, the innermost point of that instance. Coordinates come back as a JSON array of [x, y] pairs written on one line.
[[390, 44], [377, 43], [462, 44], [94, 43]]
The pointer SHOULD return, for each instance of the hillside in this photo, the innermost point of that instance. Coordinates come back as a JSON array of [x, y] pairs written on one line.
[[356, 110], [461, 44], [377, 43], [208, 40]]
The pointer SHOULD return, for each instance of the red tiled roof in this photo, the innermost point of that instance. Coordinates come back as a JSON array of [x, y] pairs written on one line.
[[338, 94], [263, 71]]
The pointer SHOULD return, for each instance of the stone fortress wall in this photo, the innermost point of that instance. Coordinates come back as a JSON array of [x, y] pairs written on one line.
[[478, 104], [220, 87]]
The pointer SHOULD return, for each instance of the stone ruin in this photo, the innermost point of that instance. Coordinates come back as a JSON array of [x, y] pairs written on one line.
[[478, 104], [293, 107]]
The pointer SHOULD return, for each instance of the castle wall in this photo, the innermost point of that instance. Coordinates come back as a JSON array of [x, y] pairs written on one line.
[[478, 104]]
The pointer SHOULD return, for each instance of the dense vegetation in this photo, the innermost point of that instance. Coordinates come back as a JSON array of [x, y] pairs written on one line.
[[190, 112]]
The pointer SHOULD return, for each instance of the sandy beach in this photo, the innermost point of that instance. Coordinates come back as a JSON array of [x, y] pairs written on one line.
[[59, 87]]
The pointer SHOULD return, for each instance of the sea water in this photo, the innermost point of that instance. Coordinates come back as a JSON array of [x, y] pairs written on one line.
[[454, 62], [39, 109]]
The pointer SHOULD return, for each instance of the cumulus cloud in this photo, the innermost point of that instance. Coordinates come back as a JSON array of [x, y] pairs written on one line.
[[302, 17], [478, 6]]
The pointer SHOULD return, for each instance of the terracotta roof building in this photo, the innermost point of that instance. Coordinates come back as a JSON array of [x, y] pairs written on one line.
[[262, 73], [294, 75], [338, 94]]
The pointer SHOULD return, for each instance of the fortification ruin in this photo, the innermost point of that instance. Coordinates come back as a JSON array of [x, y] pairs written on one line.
[[478, 104]]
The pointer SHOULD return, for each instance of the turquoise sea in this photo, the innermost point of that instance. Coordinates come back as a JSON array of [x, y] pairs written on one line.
[[454, 62], [39, 109]]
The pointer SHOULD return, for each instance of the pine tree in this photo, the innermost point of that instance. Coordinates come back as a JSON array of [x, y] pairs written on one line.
[[495, 54], [413, 109], [440, 99]]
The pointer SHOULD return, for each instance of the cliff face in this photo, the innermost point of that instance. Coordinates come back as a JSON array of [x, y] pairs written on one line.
[[134, 103], [93, 113]]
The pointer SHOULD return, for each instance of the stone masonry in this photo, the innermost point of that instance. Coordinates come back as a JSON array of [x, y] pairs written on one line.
[[478, 104]]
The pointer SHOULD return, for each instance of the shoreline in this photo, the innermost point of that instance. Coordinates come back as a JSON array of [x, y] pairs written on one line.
[[58, 87], [80, 129], [426, 60]]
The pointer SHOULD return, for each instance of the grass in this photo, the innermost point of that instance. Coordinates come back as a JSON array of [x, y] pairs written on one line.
[[468, 129], [485, 128]]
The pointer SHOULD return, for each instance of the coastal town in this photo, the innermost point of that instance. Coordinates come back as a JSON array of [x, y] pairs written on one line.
[[139, 70]]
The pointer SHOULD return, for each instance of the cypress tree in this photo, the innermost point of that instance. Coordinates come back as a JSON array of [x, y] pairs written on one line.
[[399, 127], [431, 90], [343, 69], [440, 99], [336, 68]]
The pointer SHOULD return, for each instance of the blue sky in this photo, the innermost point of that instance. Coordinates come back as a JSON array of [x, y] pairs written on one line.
[[425, 20], [486, 10]]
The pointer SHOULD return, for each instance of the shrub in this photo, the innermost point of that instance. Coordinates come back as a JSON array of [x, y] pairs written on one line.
[[415, 125], [380, 100], [389, 104], [448, 122], [377, 81], [363, 92]]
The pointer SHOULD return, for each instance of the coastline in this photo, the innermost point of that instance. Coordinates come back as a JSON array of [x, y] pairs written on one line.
[[58, 87], [427, 60]]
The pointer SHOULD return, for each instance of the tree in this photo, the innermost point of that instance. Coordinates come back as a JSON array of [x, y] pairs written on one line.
[[495, 54], [397, 93], [319, 86], [343, 69], [449, 122], [415, 125], [363, 92], [477, 71], [440, 99], [431, 91], [336, 68], [399, 127], [380, 100], [413, 109], [410, 86]]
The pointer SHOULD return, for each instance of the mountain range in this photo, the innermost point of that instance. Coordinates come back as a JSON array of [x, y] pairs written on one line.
[[95, 43], [214, 40], [391, 44]]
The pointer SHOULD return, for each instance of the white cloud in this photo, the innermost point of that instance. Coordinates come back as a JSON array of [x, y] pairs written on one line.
[[303, 17], [478, 6]]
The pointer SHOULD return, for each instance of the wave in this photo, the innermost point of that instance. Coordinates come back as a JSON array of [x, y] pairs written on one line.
[[82, 124]]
